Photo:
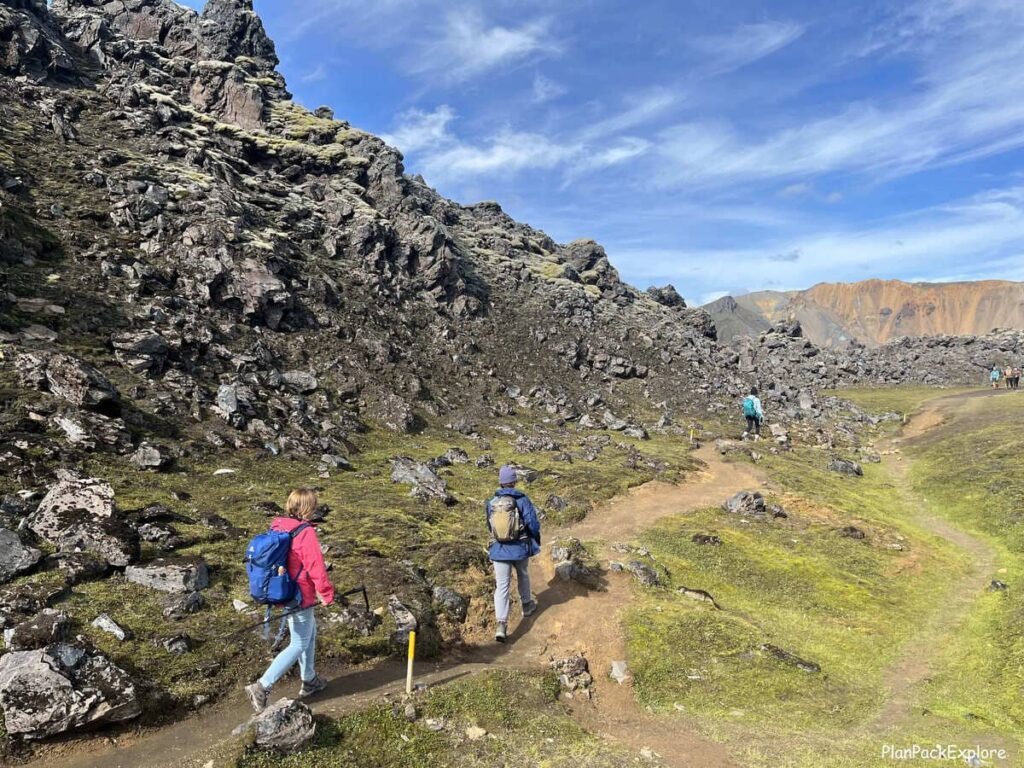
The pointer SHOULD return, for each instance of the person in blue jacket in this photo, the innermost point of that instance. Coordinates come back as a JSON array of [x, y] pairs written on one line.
[[514, 555]]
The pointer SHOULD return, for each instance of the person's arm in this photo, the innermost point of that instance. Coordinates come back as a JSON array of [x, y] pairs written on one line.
[[760, 408], [530, 519], [313, 558]]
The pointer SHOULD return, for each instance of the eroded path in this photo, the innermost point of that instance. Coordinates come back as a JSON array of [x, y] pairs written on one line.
[[917, 662], [570, 619]]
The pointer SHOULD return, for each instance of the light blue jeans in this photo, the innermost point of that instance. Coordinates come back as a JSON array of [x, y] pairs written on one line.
[[503, 580], [301, 648]]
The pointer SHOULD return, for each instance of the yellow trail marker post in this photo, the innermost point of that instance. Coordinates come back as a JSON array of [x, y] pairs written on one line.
[[412, 656]]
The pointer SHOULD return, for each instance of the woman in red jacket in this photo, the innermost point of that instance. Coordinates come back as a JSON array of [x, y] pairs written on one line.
[[306, 566]]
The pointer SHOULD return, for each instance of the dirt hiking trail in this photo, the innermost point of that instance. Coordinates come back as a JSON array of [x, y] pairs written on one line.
[[573, 619], [915, 665], [570, 619]]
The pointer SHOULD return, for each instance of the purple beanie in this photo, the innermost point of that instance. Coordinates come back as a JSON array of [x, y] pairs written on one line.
[[507, 475]]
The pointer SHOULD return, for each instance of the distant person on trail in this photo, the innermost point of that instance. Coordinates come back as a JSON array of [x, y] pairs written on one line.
[[994, 377], [754, 414], [515, 538], [1008, 376], [305, 565], [1015, 380]]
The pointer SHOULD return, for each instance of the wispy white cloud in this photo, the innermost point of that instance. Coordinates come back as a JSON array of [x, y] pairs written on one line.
[[639, 110], [971, 238], [545, 89], [419, 130], [507, 152], [442, 156], [966, 104], [467, 46], [744, 45], [315, 75]]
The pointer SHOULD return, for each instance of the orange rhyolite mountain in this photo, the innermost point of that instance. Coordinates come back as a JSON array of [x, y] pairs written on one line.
[[875, 311]]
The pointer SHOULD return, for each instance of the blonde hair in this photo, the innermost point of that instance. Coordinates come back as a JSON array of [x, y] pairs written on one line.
[[302, 503]]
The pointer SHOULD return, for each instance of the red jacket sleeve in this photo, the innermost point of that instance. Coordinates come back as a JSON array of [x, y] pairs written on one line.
[[313, 561]]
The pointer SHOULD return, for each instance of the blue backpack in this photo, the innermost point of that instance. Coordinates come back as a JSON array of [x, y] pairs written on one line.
[[266, 562], [749, 409]]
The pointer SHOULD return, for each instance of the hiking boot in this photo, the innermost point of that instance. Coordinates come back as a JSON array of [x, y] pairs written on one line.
[[257, 696], [311, 687], [744, 435], [529, 608], [501, 634]]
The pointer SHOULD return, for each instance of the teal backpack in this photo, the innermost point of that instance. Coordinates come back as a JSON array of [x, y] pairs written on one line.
[[749, 409]]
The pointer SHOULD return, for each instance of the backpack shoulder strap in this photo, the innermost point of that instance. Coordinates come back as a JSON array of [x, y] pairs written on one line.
[[299, 529]]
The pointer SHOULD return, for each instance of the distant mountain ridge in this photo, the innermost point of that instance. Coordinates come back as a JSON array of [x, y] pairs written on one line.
[[875, 311]]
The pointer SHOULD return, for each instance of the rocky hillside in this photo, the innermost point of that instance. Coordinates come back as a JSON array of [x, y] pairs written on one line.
[[875, 311], [169, 209], [198, 274]]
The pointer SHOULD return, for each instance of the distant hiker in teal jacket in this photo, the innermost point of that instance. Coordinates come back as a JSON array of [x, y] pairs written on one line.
[[515, 538], [753, 413], [995, 376]]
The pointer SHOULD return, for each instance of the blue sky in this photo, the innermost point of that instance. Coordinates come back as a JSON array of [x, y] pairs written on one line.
[[722, 147]]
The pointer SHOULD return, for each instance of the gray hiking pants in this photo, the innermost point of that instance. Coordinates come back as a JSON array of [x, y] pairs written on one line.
[[503, 580]]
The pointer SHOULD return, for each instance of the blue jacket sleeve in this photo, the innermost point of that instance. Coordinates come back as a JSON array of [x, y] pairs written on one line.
[[530, 520]]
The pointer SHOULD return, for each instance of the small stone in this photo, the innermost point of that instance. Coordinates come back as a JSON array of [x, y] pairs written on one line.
[[177, 645], [15, 557], [180, 607], [106, 624], [150, 457], [239, 605], [620, 672], [410, 712], [475, 733]]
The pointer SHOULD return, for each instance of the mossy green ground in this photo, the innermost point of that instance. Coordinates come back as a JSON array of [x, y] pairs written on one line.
[[903, 400], [973, 471], [525, 725], [374, 526], [850, 605]]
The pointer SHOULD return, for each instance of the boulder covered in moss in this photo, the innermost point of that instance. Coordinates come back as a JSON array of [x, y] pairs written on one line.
[[68, 378], [45, 628], [171, 574], [62, 688]]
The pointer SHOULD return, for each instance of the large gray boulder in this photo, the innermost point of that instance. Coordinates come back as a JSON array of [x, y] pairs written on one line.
[[62, 688], [746, 503], [15, 557], [68, 378], [75, 492], [424, 481], [846, 467], [78, 515], [285, 726], [171, 574], [92, 431], [141, 352], [45, 628]]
